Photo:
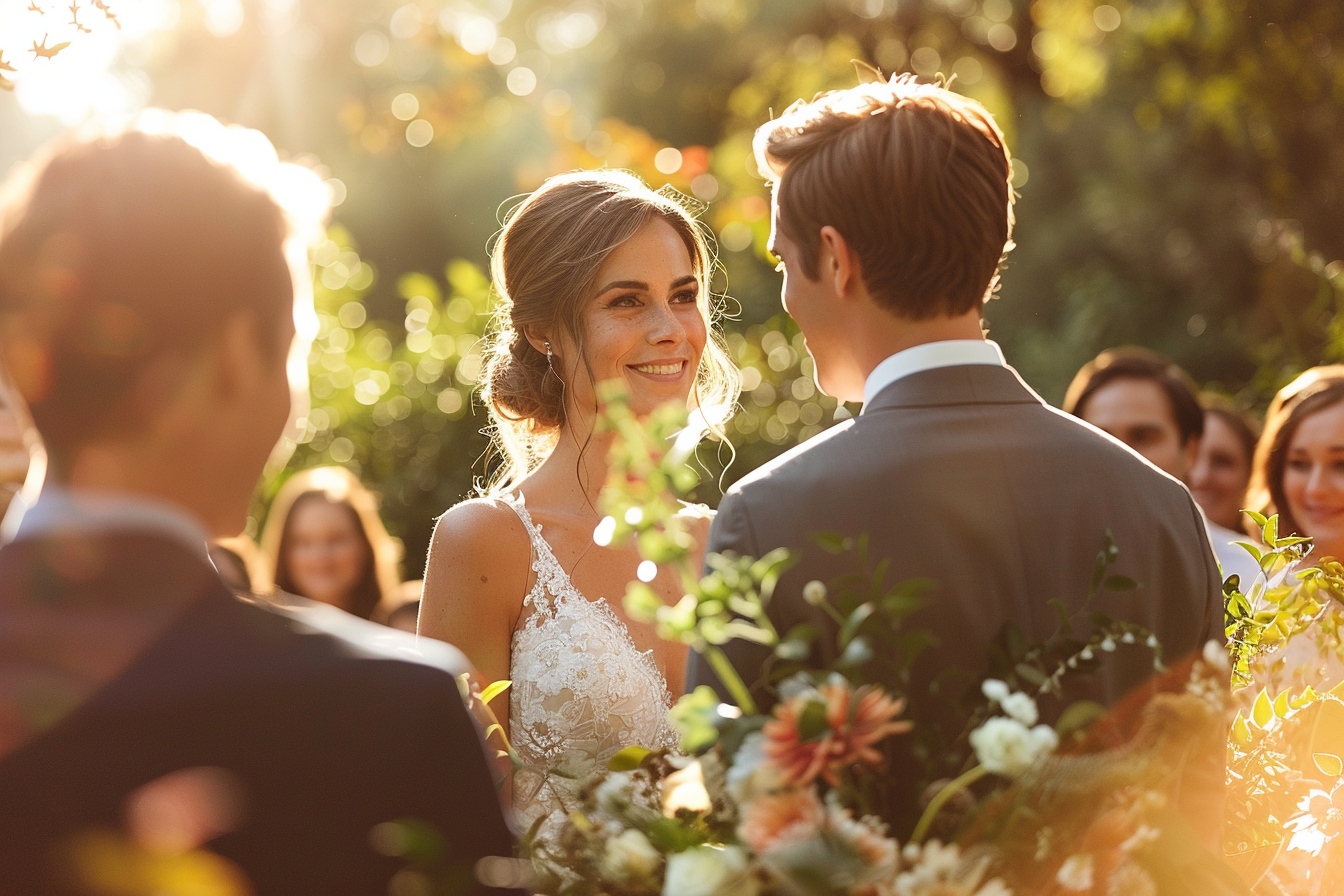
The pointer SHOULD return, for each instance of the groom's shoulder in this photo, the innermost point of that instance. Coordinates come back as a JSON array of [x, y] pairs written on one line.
[[816, 453]]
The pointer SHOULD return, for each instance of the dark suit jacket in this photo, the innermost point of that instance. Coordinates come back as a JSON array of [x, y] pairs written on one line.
[[965, 476], [325, 736]]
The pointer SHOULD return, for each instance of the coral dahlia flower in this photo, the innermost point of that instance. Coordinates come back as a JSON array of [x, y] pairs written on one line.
[[855, 721]]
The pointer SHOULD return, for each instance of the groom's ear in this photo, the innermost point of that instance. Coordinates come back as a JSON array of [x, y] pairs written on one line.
[[838, 263]]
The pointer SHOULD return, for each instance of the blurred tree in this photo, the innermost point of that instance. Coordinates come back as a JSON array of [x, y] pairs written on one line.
[[1178, 162]]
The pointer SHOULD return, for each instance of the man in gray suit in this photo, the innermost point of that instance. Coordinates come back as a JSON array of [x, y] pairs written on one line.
[[892, 214]]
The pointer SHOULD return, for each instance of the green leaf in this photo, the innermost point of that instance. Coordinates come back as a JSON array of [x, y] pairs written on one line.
[[856, 619], [1330, 765], [411, 285], [832, 542], [812, 724], [1258, 518], [1030, 674], [1252, 549], [1232, 585], [641, 602], [1079, 717], [696, 717], [1262, 712], [856, 653], [628, 759], [494, 689]]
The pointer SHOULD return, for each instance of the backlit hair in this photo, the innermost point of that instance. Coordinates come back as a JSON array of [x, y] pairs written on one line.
[[544, 269], [123, 248], [380, 583], [916, 178], [1313, 391]]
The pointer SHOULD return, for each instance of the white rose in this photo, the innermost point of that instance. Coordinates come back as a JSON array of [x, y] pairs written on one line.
[[1020, 707], [709, 871], [629, 857], [1008, 747], [994, 689]]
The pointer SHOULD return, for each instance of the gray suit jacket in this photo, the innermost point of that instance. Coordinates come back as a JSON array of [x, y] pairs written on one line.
[[963, 475]]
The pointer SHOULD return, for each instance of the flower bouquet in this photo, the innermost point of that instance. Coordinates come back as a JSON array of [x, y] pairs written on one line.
[[794, 800]]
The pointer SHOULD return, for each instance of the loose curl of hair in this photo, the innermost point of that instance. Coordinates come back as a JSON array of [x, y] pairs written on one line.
[[1313, 391], [544, 269]]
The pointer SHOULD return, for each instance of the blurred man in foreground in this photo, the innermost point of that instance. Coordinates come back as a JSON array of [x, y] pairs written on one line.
[[1150, 404], [149, 721]]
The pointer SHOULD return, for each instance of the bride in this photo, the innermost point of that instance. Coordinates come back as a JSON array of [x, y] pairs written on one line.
[[599, 278]]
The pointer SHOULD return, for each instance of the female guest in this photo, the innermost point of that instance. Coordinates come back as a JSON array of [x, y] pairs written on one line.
[[1222, 470], [1299, 463], [325, 541], [600, 279], [1299, 474]]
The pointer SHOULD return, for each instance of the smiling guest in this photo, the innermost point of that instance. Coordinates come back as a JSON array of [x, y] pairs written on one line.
[[1299, 463], [600, 279], [1222, 471], [325, 541]]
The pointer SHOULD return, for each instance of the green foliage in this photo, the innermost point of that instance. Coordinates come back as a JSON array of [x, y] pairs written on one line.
[[392, 399]]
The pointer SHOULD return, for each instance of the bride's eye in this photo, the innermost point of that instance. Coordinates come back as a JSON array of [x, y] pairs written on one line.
[[686, 296], [625, 301]]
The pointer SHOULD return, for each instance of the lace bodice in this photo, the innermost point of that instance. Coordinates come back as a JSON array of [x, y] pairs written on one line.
[[581, 689]]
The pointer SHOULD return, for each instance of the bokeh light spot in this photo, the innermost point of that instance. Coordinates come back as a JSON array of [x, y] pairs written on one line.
[[668, 160], [419, 133]]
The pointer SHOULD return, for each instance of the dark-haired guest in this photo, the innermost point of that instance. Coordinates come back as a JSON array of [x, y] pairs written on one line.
[[150, 284], [325, 541], [1222, 470], [1152, 405]]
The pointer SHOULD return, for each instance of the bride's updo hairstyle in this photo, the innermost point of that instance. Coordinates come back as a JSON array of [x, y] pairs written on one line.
[[544, 269]]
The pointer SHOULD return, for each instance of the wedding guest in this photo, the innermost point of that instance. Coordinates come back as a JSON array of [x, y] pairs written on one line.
[[600, 279], [1222, 471], [325, 541], [892, 213], [151, 279], [1299, 462], [1152, 405]]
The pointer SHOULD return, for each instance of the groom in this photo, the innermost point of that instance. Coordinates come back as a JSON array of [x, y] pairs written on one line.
[[152, 726], [892, 214]]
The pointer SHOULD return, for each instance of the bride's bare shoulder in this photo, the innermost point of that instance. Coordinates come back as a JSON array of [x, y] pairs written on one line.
[[484, 540]]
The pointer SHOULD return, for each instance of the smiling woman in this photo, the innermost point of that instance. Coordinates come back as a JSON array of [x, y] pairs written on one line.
[[1299, 463], [599, 279]]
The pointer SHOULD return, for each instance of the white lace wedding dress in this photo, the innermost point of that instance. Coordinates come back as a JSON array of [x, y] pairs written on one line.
[[581, 689]]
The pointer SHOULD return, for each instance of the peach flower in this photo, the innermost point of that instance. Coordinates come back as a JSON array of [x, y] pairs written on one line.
[[856, 721], [786, 815]]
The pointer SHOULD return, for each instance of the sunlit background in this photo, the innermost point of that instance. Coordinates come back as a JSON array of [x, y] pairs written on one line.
[[1178, 164]]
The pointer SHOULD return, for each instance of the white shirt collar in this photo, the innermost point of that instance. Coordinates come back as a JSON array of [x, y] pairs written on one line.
[[61, 510], [931, 355]]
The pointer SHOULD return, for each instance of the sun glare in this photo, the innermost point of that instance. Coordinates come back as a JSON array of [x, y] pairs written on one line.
[[61, 59]]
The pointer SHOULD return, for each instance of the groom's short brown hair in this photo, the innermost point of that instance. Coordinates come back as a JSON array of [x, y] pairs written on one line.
[[914, 176]]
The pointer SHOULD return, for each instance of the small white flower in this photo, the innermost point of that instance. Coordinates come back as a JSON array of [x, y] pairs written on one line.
[[615, 793], [1007, 747], [814, 592], [995, 690], [1108, 644], [1151, 642], [1021, 707], [709, 871], [1127, 638], [1076, 873], [629, 857], [750, 775], [1085, 653]]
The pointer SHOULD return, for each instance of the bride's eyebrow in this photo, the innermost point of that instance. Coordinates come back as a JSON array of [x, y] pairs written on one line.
[[641, 285]]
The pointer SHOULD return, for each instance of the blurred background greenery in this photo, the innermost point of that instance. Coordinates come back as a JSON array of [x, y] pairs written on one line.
[[1179, 164]]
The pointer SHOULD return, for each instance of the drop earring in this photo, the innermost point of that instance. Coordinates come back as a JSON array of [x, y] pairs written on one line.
[[549, 357]]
